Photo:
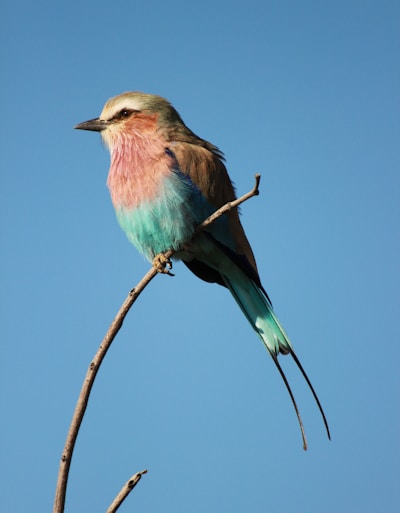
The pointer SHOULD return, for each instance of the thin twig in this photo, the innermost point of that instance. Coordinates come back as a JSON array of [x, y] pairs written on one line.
[[125, 491], [231, 205], [81, 405]]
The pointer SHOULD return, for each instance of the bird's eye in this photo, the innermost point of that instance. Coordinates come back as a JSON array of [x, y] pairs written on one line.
[[125, 113]]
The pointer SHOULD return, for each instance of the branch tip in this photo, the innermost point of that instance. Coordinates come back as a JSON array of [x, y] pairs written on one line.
[[256, 191], [125, 491]]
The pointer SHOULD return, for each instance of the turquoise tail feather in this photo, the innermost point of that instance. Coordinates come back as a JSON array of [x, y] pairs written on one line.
[[258, 311]]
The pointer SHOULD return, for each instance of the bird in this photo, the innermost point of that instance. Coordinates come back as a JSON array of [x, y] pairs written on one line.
[[164, 180]]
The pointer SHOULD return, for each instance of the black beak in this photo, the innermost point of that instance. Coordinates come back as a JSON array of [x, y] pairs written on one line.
[[96, 125]]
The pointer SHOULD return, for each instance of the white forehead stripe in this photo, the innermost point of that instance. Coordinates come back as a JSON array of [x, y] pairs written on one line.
[[113, 106]]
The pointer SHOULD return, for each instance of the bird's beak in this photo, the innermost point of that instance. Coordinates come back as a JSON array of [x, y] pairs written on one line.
[[96, 125]]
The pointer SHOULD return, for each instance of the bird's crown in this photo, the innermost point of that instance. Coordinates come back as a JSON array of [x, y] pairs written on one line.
[[121, 106]]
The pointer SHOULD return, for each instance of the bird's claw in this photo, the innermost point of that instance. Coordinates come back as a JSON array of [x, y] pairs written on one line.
[[162, 264]]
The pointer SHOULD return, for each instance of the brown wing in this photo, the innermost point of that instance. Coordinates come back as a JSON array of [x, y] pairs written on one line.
[[205, 167]]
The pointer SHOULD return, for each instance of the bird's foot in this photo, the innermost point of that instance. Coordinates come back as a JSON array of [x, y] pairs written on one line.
[[162, 264]]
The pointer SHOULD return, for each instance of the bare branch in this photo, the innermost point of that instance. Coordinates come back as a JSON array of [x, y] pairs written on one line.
[[125, 491], [231, 205], [81, 405]]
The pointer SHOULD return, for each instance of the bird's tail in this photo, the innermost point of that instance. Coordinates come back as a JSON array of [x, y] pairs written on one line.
[[258, 310]]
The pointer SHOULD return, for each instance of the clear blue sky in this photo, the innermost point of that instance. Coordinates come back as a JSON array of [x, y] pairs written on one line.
[[307, 94]]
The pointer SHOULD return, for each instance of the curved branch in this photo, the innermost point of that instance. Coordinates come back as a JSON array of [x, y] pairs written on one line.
[[81, 405]]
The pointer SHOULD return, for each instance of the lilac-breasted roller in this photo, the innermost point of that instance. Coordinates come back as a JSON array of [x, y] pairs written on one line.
[[164, 181]]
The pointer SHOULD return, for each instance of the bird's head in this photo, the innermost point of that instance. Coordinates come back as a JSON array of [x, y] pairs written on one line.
[[133, 114]]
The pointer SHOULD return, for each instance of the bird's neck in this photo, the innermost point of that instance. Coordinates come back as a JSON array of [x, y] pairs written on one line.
[[139, 164]]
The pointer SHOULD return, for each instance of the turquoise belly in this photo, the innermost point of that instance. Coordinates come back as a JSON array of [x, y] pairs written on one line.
[[167, 221]]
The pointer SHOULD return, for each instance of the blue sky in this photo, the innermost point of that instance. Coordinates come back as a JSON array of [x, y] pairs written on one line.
[[305, 93]]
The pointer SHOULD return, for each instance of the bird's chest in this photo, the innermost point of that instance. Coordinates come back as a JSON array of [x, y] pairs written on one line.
[[165, 219]]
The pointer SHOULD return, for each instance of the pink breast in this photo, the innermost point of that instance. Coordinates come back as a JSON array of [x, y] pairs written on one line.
[[138, 166]]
